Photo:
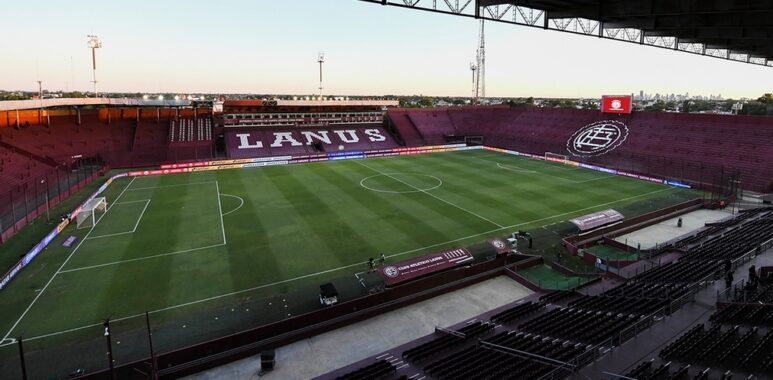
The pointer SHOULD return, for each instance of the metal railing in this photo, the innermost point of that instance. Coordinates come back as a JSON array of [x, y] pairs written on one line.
[[727, 294], [642, 324], [22, 203]]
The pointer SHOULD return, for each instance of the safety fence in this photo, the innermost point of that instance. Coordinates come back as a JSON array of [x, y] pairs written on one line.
[[735, 293], [23, 203]]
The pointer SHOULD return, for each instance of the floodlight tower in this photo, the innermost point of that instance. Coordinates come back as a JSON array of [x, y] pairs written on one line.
[[321, 60], [94, 44], [474, 68]]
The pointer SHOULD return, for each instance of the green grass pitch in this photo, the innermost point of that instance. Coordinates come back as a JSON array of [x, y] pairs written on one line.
[[611, 253], [172, 242]]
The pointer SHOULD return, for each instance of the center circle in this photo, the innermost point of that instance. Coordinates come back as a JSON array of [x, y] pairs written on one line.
[[402, 180]]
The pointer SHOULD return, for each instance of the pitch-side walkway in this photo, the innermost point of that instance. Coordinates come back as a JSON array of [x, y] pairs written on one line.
[[667, 230], [335, 349]]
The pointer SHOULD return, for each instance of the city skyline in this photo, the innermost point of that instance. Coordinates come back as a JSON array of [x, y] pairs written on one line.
[[271, 48]]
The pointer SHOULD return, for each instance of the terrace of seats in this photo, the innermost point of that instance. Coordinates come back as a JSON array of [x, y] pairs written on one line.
[[406, 129], [735, 340], [65, 140], [532, 337], [120, 142], [434, 125], [267, 137], [16, 168], [739, 142]]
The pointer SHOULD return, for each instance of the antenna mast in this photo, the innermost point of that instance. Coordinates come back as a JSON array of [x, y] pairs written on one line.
[[94, 44], [481, 87]]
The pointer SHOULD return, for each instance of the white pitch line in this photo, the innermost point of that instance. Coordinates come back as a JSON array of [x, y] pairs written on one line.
[[220, 207], [519, 170], [120, 195], [432, 195], [130, 202], [597, 179], [109, 235], [524, 171], [141, 215], [147, 202], [142, 258], [342, 267], [40, 293], [237, 207], [175, 185]]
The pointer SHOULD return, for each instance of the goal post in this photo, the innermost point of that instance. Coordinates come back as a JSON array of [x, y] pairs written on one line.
[[87, 217], [553, 157]]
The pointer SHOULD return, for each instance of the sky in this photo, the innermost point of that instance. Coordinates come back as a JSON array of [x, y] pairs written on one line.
[[271, 46]]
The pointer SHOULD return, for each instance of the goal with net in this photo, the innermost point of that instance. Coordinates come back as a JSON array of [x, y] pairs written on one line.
[[552, 157], [88, 215]]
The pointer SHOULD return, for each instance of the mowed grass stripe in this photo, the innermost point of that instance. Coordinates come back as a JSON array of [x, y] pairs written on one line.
[[161, 231], [512, 198], [554, 168], [557, 171], [449, 208], [484, 190], [384, 215], [248, 224], [131, 286], [285, 213], [610, 187], [445, 220], [330, 224]]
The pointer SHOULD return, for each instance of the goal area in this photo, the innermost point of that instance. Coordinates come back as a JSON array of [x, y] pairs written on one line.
[[87, 217], [553, 157]]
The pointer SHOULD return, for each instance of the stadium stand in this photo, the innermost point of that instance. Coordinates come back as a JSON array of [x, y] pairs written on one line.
[[16, 168], [446, 342], [264, 142], [656, 141], [406, 129], [377, 370], [536, 338], [120, 137], [487, 361]]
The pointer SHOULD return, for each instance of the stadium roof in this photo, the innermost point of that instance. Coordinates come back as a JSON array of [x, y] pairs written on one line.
[[12, 105], [729, 29]]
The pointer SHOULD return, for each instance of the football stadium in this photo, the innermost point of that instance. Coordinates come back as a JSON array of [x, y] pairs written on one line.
[[370, 237]]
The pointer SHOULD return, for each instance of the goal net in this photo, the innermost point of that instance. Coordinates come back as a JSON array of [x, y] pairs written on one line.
[[556, 157], [88, 215]]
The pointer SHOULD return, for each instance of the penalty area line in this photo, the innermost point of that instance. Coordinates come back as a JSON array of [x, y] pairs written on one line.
[[175, 185], [142, 258], [40, 293], [220, 208], [147, 203], [519, 170]]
